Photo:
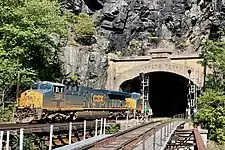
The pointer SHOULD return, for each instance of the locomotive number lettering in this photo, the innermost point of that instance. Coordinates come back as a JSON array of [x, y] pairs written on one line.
[[58, 96], [98, 98]]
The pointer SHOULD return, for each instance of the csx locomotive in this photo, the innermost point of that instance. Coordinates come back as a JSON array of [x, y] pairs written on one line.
[[55, 102]]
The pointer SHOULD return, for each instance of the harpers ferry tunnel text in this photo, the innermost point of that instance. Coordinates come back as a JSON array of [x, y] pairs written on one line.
[[167, 92]]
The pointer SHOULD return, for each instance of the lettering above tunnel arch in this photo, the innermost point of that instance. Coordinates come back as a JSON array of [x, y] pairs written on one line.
[[163, 66]]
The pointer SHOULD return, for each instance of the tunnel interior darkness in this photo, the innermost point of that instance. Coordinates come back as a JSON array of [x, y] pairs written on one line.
[[167, 92]]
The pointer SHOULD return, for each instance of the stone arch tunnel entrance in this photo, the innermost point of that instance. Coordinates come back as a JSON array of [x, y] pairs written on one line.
[[167, 92]]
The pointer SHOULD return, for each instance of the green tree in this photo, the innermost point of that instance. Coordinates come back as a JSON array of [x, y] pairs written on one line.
[[7, 114], [214, 57], [211, 104], [84, 28], [211, 114], [30, 33]]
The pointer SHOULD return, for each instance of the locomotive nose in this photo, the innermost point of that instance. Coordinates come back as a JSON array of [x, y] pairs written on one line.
[[26, 99]]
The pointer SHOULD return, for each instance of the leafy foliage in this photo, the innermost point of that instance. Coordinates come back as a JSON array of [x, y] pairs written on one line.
[[212, 114], [84, 29], [7, 114], [211, 104], [134, 46], [30, 142], [72, 80], [214, 57], [29, 41], [112, 129]]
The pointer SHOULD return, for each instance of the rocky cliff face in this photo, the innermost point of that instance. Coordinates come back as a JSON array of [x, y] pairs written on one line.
[[182, 24], [179, 25], [91, 67]]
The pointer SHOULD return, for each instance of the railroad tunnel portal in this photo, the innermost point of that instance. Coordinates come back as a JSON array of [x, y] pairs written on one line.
[[167, 92], [168, 80]]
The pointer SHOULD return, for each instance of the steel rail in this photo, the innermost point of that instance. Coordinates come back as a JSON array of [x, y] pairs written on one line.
[[147, 133]]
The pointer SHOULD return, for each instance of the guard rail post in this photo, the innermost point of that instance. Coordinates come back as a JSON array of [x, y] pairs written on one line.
[[154, 142], [50, 140], [161, 136], [143, 143], [127, 121], [168, 129], [137, 121], [85, 123], [96, 127], [21, 139], [104, 126], [70, 133], [1, 139], [101, 126], [165, 132], [7, 140]]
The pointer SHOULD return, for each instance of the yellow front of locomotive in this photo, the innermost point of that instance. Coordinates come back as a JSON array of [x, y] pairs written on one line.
[[29, 106], [30, 99], [130, 103]]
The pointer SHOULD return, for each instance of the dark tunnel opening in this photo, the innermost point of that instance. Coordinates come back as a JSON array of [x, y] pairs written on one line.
[[167, 92]]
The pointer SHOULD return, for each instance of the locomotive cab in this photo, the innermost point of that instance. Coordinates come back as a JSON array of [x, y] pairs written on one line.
[[42, 96], [53, 94]]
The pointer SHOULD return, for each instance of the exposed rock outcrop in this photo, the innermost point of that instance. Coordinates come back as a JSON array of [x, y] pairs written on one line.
[[90, 66], [181, 24]]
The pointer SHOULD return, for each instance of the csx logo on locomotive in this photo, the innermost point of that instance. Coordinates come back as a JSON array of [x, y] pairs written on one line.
[[98, 98]]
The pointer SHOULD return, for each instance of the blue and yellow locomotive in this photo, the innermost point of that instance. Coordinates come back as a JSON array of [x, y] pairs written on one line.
[[55, 102]]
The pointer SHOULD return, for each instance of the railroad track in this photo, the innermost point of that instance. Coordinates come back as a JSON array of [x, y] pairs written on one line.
[[128, 138], [38, 128]]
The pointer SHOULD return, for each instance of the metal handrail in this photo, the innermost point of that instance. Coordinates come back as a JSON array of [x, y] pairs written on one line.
[[199, 142]]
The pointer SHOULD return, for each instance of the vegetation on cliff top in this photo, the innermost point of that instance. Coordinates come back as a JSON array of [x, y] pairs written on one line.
[[84, 27]]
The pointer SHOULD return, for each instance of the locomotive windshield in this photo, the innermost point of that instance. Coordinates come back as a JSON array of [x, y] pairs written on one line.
[[58, 89], [135, 96], [34, 87], [45, 87]]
